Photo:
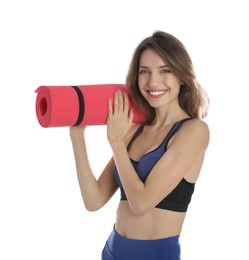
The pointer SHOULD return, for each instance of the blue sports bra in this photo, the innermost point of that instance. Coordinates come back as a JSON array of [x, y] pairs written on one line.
[[178, 199]]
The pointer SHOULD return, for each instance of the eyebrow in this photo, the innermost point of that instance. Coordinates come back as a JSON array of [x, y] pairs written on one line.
[[160, 67]]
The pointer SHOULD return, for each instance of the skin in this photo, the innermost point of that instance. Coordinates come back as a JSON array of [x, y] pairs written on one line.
[[137, 217]]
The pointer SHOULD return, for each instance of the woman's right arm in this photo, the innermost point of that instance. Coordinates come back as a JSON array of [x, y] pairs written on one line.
[[95, 193]]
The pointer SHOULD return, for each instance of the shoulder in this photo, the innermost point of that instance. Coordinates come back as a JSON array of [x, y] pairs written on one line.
[[194, 131], [196, 125]]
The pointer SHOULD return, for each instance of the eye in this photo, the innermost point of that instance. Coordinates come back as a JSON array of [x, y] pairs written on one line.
[[143, 71], [164, 71]]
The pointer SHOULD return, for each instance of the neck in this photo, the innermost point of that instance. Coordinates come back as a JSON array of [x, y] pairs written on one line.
[[167, 117]]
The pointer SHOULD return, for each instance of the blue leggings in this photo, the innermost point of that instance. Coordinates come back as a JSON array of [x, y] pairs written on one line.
[[121, 248]]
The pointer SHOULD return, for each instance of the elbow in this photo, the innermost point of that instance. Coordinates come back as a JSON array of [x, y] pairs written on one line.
[[91, 207], [140, 208], [140, 205]]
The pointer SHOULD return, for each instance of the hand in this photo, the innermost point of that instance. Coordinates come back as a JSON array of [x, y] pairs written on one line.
[[119, 119]]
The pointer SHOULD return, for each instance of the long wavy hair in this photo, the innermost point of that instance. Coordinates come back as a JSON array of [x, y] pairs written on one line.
[[192, 97]]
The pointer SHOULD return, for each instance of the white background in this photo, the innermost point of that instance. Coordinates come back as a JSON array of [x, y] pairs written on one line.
[[62, 42]]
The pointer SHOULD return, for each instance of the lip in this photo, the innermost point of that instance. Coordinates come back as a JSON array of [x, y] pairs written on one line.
[[157, 93]]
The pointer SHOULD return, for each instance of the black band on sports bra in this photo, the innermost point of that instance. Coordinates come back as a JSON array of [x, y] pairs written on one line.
[[81, 105], [169, 135], [173, 130], [137, 133]]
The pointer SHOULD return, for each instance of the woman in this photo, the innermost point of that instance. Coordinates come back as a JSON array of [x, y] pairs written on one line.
[[155, 164]]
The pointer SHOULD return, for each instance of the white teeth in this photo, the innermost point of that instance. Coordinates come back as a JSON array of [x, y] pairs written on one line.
[[156, 93]]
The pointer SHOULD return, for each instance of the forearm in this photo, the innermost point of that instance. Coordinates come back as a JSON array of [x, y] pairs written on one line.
[[88, 183], [119, 123], [134, 188]]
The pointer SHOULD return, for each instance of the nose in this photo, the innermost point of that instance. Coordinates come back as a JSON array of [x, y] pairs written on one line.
[[154, 80]]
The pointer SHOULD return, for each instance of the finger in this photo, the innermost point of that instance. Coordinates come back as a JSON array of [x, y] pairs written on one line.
[[126, 103], [116, 102], [131, 116], [110, 110], [120, 101]]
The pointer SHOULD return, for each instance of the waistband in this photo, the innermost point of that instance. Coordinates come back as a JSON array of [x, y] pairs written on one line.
[[123, 248]]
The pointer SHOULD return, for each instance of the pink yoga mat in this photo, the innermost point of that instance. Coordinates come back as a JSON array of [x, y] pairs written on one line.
[[83, 105]]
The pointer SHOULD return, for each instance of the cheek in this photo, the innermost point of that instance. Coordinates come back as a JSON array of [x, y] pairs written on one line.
[[141, 82], [141, 90], [175, 83]]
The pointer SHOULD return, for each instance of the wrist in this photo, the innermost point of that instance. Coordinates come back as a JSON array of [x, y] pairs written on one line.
[[117, 145], [76, 132]]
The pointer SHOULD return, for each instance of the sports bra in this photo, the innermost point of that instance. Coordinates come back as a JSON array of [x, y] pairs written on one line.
[[179, 198]]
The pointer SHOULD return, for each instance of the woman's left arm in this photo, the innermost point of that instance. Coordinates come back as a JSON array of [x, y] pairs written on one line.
[[189, 143]]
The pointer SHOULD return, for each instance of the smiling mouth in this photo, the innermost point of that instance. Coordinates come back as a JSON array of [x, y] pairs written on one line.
[[157, 93]]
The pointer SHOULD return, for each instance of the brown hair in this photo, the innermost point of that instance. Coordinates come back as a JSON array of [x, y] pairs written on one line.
[[192, 98]]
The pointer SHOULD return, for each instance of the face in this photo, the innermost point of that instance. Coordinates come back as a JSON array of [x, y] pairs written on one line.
[[156, 81]]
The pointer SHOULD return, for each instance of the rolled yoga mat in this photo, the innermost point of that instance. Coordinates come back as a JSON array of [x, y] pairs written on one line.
[[83, 105]]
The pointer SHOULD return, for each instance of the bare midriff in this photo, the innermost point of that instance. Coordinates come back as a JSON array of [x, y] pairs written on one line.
[[156, 224]]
